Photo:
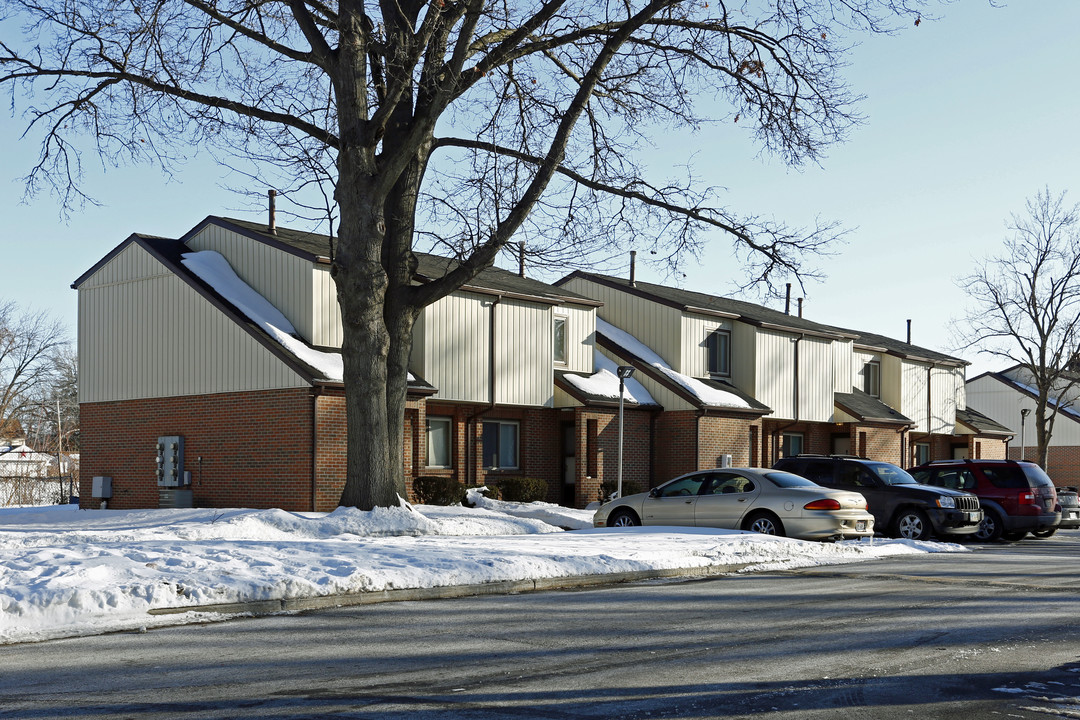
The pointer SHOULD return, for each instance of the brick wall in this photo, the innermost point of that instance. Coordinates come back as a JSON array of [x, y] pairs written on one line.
[[1062, 463], [255, 448]]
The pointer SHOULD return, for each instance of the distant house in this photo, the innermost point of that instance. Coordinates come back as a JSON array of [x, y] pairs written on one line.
[[1003, 396], [29, 477]]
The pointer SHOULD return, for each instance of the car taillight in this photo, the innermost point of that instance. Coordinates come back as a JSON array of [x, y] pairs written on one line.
[[826, 504], [1026, 498]]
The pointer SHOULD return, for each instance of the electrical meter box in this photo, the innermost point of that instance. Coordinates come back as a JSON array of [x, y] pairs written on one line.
[[170, 461], [102, 487]]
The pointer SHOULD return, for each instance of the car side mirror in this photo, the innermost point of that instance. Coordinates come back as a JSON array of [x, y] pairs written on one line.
[[654, 493]]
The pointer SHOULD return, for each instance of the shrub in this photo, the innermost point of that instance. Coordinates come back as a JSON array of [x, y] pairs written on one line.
[[438, 490], [629, 487], [520, 489]]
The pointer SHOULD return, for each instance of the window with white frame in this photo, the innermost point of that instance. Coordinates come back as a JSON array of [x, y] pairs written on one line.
[[558, 336], [500, 444], [791, 444], [718, 345], [922, 453], [438, 442], [872, 378]]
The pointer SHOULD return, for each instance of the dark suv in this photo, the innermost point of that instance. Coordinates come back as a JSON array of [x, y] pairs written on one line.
[[1017, 497], [901, 507]]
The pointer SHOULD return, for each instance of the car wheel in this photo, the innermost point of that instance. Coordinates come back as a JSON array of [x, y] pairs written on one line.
[[991, 527], [764, 523], [1013, 536], [911, 525], [623, 518], [1045, 533]]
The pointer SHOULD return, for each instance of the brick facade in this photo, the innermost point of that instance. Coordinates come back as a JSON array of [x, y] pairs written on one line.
[[1062, 463], [243, 449]]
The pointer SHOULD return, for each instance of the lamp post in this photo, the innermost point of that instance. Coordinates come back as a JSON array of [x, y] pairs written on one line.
[[624, 372], [1024, 412]]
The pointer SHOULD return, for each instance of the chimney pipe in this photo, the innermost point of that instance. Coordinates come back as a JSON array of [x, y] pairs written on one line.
[[800, 307], [787, 300], [273, 212], [909, 331], [633, 267], [521, 258]]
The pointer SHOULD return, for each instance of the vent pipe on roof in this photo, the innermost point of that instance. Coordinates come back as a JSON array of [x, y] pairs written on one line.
[[787, 300], [633, 266], [272, 226], [800, 306], [909, 331], [521, 258]]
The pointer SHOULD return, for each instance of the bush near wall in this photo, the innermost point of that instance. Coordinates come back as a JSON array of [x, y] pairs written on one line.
[[520, 489], [438, 490]]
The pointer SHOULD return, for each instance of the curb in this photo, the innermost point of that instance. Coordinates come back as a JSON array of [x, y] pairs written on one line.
[[505, 587]]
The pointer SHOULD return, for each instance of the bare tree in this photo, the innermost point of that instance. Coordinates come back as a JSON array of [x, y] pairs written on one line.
[[30, 345], [458, 124], [1026, 307]]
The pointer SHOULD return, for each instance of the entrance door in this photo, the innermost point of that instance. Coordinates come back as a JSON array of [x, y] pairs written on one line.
[[569, 464]]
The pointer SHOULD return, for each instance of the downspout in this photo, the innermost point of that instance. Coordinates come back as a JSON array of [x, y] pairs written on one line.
[[315, 393], [471, 469], [794, 398], [929, 410]]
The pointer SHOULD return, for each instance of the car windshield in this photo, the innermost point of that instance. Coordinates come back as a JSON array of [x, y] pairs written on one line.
[[786, 480], [890, 474]]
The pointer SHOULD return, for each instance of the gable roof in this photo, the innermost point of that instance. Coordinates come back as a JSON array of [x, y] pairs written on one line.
[[866, 408], [1068, 411], [316, 248], [761, 316]]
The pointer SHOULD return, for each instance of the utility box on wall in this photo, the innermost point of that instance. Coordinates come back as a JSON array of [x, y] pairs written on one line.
[[102, 487], [170, 461]]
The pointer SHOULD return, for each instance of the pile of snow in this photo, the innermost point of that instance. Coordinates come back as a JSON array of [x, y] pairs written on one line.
[[67, 572], [707, 394], [215, 271], [605, 383]]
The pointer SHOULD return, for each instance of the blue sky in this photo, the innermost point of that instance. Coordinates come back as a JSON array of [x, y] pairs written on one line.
[[966, 117]]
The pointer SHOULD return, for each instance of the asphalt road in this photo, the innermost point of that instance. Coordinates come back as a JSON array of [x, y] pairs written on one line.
[[992, 633]]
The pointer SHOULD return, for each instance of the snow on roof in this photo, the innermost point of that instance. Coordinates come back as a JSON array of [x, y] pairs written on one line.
[[707, 394], [605, 383], [215, 271], [1063, 404]]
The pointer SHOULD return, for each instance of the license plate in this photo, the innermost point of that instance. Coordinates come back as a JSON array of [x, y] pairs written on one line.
[[860, 526], [1073, 516], [973, 517]]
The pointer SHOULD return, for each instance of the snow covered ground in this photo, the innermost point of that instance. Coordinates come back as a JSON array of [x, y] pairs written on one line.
[[67, 572]]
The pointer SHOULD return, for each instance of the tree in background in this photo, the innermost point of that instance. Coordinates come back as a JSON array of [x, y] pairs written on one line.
[[32, 348], [455, 125], [1026, 307]]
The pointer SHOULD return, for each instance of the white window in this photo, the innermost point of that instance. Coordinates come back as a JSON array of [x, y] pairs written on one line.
[[792, 444], [438, 442], [718, 345], [559, 339], [500, 445], [872, 378]]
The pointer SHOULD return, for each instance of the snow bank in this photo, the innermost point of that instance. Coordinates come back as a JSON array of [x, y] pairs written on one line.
[[67, 572]]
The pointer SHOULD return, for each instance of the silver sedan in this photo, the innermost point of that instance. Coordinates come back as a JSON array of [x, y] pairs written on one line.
[[765, 501]]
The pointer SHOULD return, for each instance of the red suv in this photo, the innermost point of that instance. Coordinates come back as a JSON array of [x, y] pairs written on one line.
[[1016, 497]]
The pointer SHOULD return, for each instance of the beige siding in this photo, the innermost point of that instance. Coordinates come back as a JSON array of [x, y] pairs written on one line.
[[934, 412], [155, 336], [694, 355], [776, 376], [326, 313], [892, 383], [580, 337], [283, 279], [913, 394], [658, 326], [563, 399], [524, 374], [452, 352], [744, 370]]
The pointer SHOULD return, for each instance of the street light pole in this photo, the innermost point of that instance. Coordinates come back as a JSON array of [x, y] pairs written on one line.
[[1023, 416], [624, 372]]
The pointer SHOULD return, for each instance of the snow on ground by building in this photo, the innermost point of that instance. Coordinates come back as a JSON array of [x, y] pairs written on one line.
[[66, 572]]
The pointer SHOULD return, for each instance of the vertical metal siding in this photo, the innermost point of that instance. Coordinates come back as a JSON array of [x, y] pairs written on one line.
[[455, 347], [155, 336], [744, 371], [524, 374], [283, 279], [776, 373], [326, 312], [658, 326], [913, 385], [580, 336]]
